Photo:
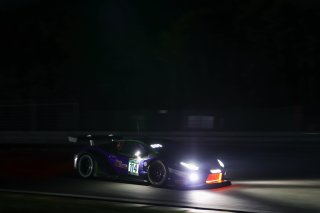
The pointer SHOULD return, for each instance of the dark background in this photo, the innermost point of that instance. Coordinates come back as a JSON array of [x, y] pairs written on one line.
[[160, 65]]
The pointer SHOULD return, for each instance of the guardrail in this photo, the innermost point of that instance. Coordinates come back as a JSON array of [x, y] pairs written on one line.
[[222, 138]]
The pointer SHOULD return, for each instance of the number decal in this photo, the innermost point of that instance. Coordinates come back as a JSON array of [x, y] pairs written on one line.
[[133, 167]]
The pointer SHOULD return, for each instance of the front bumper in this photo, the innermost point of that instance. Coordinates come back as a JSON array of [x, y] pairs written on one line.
[[196, 178]]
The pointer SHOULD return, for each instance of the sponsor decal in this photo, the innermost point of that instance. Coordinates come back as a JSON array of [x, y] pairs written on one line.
[[118, 163]]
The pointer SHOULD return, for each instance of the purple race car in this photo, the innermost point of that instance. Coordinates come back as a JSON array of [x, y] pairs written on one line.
[[157, 162]]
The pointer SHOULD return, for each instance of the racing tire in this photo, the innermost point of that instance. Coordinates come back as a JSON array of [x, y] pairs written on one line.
[[86, 165], [157, 173]]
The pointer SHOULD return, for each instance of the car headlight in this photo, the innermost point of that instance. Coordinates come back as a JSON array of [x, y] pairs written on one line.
[[155, 146], [220, 163], [193, 177], [190, 166]]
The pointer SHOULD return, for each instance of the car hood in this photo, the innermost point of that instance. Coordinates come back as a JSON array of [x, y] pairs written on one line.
[[204, 159]]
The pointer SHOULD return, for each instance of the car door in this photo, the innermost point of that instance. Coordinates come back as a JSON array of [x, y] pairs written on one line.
[[120, 157], [135, 164], [128, 159]]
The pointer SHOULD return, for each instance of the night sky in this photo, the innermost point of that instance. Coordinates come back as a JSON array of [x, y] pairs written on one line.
[[160, 54]]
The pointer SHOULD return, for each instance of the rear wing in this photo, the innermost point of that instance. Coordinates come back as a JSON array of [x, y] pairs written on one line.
[[72, 139], [81, 139]]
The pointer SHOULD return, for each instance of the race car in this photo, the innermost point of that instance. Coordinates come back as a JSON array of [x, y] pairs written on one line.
[[155, 161]]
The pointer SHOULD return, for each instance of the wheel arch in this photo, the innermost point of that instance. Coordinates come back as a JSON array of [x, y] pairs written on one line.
[[96, 157], [166, 168], [79, 168]]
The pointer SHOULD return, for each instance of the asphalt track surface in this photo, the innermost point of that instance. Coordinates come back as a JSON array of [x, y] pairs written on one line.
[[242, 196], [295, 189]]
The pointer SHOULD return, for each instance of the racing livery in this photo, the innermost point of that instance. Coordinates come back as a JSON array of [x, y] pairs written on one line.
[[144, 160]]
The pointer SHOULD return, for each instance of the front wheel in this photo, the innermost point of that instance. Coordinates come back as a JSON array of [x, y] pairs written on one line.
[[157, 173], [85, 166]]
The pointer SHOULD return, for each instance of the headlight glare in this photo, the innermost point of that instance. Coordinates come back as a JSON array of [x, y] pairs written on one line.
[[193, 177], [189, 166], [155, 146], [215, 171], [220, 163]]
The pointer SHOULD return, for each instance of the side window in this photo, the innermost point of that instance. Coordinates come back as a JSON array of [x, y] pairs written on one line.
[[141, 148], [108, 146], [128, 148]]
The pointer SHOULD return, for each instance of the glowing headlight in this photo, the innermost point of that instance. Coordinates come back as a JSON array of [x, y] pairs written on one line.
[[193, 177], [189, 166], [215, 171], [154, 146], [221, 163]]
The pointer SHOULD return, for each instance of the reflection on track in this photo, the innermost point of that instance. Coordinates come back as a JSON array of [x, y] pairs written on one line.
[[247, 196]]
